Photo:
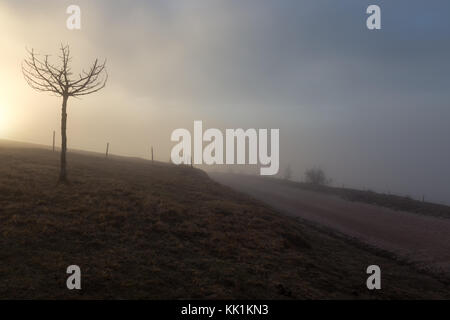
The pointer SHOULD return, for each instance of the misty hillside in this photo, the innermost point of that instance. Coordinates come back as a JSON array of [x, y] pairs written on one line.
[[139, 229]]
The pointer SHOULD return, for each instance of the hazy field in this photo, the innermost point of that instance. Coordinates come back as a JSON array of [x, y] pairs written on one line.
[[143, 230]]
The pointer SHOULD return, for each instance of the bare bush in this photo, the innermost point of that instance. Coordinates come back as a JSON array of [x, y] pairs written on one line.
[[316, 176]]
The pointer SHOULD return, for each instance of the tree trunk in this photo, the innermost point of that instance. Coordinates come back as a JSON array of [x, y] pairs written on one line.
[[63, 173]]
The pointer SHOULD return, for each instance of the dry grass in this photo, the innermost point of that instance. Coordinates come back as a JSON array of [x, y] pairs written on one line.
[[141, 230]]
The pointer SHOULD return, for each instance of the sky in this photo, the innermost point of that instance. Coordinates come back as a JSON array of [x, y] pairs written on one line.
[[371, 108]]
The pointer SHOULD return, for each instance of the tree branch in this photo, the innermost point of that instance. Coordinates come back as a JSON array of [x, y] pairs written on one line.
[[43, 76]]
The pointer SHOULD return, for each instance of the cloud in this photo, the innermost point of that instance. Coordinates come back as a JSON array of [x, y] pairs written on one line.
[[371, 106]]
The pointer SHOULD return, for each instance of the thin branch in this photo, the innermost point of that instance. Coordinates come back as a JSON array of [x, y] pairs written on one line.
[[43, 76]]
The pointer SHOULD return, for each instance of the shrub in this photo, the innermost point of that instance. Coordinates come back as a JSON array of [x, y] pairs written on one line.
[[316, 176]]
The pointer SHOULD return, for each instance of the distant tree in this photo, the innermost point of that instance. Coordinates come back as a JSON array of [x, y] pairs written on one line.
[[288, 173], [316, 176], [44, 76]]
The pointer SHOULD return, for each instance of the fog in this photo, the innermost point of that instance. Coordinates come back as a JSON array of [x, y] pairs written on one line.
[[371, 108]]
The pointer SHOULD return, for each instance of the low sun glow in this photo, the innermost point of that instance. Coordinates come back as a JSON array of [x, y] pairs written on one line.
[[3, 119]]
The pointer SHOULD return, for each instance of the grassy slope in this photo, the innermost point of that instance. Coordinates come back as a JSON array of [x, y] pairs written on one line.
[[158, 231]]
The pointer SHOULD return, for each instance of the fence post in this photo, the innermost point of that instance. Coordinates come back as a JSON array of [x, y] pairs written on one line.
[[152, 153], [54, 140], [107, 149]]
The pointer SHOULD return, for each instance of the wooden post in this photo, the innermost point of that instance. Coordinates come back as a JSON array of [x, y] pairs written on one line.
[[54, 140], [107, 149], [152, 153], [192, 163]]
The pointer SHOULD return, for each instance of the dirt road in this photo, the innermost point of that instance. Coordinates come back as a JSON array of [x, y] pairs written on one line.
[[422, 239]]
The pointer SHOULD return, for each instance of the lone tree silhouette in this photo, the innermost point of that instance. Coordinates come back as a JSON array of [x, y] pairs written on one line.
[[44, 76], [317, 177]]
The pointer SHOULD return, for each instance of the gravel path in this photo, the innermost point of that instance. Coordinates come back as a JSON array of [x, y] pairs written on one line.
[[421, 239]]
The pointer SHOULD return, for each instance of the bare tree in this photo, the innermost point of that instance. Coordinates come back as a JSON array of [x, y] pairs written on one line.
[[44, 76], [316, 177]]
